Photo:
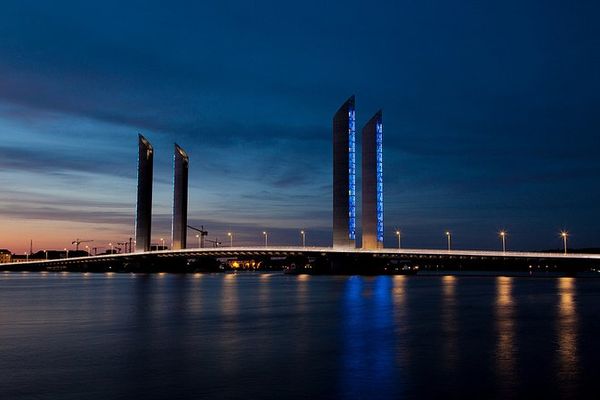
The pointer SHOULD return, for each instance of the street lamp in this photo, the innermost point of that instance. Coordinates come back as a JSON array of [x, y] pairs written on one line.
[[111, 248], [449, 236], [198, 237], [163, 243], [266, 235], [230, 239], [67, 252], [46, 251], [399, 243], [87, 248], [564, 235], [503, 238], [303, 234]]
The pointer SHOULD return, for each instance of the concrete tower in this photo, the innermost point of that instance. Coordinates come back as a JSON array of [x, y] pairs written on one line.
[[344, 176], [180, 198], [372, 183], [143, 220]]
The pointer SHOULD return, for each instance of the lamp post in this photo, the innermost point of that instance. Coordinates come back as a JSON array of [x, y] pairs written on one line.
[[198, 237], [266, 235], [111, 248], [564, 235], [230, 239], [449, 236], [399, 243], [303, 234], [162, 240], [503, 238], [67, 252], [87, 248], [46, 251]]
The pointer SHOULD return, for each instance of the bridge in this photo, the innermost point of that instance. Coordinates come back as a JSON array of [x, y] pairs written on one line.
[[365, 260], [344, 256]]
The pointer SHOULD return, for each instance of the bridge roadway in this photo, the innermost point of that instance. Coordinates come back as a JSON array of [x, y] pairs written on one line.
[[592, 260]]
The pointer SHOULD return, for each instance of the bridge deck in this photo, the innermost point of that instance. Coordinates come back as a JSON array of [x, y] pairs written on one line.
[[298, 250]]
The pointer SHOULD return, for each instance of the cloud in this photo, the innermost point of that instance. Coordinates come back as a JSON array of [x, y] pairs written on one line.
[[42, 161]]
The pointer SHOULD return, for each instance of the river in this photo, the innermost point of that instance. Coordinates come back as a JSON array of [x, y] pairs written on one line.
[[253, 335]]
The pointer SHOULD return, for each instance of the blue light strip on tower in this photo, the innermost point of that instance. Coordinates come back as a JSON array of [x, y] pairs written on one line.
[[351, 173], [379, 144]]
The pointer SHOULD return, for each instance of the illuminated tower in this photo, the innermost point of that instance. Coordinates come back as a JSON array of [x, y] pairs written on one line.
[[372, 183], [344, 176], [143, 220], [180, 198]]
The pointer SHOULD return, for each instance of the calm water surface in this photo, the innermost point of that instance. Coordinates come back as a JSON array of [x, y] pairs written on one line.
[[112, 336]]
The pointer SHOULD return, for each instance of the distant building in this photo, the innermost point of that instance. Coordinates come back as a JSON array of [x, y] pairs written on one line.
[[344, 176], [5, 256], [56, 254], [372, 183]]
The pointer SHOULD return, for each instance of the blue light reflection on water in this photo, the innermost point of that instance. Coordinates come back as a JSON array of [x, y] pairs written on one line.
[[368, 338]]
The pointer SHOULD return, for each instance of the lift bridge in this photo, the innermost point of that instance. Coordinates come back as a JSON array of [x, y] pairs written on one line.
[[344, 250]]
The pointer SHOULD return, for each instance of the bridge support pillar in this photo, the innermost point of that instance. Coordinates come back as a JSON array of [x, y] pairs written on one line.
[[143, 220], [180, 199], [344, 176], [372, 183]]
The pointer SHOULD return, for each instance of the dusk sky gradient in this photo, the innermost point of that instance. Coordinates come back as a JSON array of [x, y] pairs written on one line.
[[491, 116]]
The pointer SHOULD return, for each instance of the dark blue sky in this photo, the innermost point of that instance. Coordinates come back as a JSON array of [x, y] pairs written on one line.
[[490, 116]]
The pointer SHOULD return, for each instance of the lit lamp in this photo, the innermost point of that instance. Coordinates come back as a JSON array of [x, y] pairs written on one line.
[[564, 235], [503, 238], [449, 236], [399, 243], [266, 235]]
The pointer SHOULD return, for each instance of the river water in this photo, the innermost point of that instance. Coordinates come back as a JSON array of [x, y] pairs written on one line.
[[247, 336]]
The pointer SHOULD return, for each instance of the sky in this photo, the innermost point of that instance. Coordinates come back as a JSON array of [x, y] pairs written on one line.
[[490, 114]]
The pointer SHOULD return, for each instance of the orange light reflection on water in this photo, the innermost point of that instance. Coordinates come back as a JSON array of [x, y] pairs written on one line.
[[567, 331], [505, 332]]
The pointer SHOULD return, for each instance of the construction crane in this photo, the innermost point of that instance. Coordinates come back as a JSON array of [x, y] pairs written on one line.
[[76, 242], [203, 233]]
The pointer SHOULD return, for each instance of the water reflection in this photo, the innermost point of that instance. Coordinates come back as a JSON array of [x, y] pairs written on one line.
[[567, 331], [229, 301], [383, 323], [264, 293], [302, 282], [505, 333], [302, 325], [367, 362], [401, 326], [449, 323]]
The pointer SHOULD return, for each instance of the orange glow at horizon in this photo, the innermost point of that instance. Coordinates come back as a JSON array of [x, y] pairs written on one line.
[[48, 235]]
